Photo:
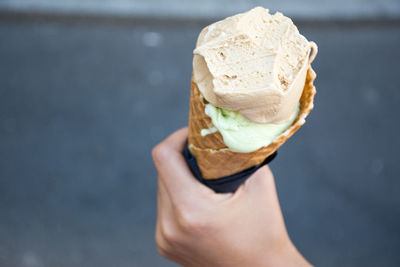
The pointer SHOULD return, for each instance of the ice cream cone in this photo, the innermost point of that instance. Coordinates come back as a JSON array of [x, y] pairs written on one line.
[[213, 157]]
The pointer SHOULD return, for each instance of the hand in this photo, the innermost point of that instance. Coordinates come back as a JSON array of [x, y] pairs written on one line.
[[198, 227]]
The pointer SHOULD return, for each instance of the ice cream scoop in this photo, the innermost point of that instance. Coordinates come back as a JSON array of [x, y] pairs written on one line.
[[251, 90], [253, 63], [240, 134]]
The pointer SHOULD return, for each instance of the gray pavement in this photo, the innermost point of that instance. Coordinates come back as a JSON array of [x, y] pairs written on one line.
[[205, 9], [81, 106]]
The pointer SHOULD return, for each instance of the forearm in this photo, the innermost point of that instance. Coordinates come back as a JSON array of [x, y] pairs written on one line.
[[288, 257]]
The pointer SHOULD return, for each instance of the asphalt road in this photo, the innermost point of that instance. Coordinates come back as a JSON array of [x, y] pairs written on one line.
[[81, 106]]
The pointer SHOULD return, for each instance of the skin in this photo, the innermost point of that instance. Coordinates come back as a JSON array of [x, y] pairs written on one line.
[[198, 227]]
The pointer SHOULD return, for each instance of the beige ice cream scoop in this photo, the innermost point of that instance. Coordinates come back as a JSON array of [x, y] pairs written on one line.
[[259, 66], [254, 63]]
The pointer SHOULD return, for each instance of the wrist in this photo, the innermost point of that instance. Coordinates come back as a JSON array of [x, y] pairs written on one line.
[[286, 255]]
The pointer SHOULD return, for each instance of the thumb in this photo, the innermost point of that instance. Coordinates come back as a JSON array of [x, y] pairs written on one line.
[[260, 183], [260, 190]]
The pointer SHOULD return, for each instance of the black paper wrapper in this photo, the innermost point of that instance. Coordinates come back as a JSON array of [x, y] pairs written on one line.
[[225, 184]]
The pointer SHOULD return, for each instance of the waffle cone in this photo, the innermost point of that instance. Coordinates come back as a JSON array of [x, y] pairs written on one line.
[[212, 155]]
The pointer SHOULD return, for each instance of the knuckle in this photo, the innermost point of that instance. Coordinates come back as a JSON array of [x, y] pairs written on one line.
[[159, 153], [161, 243], [162, 251], [169, 234], [193, 222]]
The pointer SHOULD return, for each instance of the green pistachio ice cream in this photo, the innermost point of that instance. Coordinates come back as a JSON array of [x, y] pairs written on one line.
[[241, 134]]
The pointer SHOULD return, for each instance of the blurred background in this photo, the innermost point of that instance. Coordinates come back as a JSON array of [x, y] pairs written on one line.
[[88, 87]]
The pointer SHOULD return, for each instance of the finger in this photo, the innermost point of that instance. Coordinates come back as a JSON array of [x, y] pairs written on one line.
[[162, 210], [166, 230], [177, 140], [165, 220], [173, 170], [164, 206]]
